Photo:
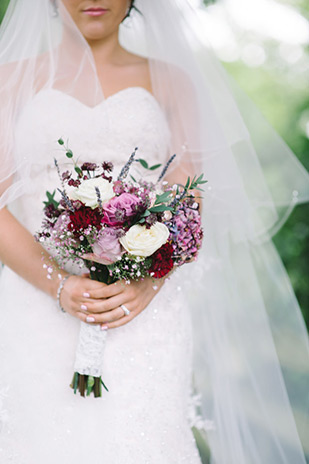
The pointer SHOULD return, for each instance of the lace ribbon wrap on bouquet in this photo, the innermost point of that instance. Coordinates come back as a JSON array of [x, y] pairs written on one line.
[[89, 355], [90, 350]]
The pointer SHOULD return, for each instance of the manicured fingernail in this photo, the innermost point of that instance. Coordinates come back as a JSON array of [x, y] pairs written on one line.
[[84, 307], [104, 327], [86, 295], [90, 319]]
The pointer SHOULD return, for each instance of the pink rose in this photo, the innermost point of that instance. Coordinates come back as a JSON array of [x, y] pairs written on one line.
[[107, 248], [119, 209]]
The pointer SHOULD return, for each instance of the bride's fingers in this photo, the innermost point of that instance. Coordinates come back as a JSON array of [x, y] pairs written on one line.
[[76, 286], [102, 319], [121, 321], [107, 291], [102, 306]]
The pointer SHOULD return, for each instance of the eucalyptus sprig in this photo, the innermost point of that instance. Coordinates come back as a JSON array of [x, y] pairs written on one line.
[[146, 165], [69, 154], [191, 184], [161, 203]]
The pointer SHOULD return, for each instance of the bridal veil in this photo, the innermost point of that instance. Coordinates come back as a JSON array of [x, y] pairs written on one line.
[[251, 361]]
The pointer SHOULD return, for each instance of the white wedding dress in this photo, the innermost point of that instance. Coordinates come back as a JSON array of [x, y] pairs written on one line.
[[144, 418]]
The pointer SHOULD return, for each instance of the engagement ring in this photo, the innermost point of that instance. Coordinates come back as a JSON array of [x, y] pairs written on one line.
[[125, 310]]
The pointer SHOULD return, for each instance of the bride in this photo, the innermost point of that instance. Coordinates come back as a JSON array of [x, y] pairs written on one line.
[[214, 348]]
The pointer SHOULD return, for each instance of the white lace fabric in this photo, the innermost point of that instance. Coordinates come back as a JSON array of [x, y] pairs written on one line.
[[144, 417]]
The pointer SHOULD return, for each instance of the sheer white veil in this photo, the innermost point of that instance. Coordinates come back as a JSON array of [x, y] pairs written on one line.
[[251, 360]]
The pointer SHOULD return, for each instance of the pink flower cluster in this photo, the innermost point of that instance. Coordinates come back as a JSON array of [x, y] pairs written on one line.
[[186, 233]]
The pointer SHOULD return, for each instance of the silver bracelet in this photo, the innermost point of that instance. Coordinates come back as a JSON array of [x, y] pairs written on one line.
[[61, 285]]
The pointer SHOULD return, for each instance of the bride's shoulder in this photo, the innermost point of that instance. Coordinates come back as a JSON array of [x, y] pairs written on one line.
[[172, 74], [156, 75], [15, 74], [173, 81]]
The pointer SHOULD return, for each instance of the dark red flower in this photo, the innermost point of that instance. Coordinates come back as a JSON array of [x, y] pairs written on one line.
[[162, 261], [74, 183], [89, 166], [84, 217], [107, 166], [66, 175], [51, 211]]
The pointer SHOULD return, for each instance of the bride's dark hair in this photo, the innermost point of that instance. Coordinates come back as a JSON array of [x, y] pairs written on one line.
[[131, 7]]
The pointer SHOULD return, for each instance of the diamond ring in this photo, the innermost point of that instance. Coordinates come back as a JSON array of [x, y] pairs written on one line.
[[125, 310]]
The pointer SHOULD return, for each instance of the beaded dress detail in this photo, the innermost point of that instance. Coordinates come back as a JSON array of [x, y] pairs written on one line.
[[144, 418]]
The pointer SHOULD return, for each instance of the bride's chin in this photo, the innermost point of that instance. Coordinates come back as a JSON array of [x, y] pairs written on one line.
[[94, 32]]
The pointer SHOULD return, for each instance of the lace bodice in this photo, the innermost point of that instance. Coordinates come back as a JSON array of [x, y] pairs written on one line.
[[107, 132]]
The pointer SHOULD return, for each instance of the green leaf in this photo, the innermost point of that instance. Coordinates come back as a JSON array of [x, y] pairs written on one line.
[[160, 209], [51, 199], [163, 197], [78, 170], [145, 213], [134, 180], [61, 142], [143, 163], [104, 385], [69, 153], [187, 183], [90, 384], [155, 166], [75, 382], [91, 381]]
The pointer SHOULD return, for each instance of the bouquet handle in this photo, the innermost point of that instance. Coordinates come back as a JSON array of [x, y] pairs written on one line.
[[91, 346]]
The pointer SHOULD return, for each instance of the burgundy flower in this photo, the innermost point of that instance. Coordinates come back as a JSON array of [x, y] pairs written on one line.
[[51, 211], [108, 178], [74, 183], [84, 217], [107, 166], [162, 261], [66, 175], [88, 167]]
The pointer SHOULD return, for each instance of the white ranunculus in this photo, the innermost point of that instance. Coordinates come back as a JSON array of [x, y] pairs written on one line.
[[86, 192], [140, 241]]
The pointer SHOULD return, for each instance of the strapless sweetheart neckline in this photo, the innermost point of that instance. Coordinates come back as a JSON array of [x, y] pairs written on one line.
[[107, 99]]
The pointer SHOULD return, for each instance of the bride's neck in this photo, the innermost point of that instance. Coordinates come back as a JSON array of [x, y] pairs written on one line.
[[107, 50]]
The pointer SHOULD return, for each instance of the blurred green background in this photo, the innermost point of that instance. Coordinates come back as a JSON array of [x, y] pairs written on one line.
[[273, 71], [272, 65]]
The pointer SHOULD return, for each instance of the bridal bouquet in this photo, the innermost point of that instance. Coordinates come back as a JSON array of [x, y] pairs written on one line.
[[119, 229]]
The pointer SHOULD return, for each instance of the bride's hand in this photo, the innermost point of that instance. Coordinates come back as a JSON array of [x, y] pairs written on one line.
[[76, 293], [103, 305]]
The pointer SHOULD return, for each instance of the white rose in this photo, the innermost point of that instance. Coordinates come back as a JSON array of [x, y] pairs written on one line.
[[140, 241], [86, 191]]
